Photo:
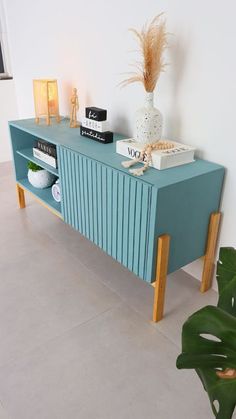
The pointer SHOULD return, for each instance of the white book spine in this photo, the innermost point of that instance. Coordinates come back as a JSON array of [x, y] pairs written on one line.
[[50, 160], [100, 126], [161, 159]]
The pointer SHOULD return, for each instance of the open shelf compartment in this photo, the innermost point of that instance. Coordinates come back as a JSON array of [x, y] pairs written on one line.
[[27, 153], [43, 195]]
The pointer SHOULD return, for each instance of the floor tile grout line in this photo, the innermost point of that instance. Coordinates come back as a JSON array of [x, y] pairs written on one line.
[[60, 335], [61, 246], [77, 326], [142, 316], [165, 335], [108, 286], [123, 300], [148, 322], [131, 307], [90, 271]]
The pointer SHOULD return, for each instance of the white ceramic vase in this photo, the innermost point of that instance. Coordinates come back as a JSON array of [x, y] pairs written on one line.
[[148, 122], [41, 178]]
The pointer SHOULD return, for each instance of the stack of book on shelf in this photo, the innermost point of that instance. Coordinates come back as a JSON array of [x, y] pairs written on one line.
[[161, 159], [45, 152], [95, 125]]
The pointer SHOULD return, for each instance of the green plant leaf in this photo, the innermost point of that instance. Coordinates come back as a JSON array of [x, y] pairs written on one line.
[[203, 352], [34, 167], [209, 340], [226, 278], [221, 393]]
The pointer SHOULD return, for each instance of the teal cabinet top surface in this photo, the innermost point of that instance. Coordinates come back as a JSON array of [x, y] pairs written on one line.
[[61, 134]]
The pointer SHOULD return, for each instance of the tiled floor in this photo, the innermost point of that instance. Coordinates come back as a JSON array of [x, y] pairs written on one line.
[[76, 340]]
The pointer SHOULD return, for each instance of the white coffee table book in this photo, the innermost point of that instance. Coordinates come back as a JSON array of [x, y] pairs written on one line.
[[161, 159]]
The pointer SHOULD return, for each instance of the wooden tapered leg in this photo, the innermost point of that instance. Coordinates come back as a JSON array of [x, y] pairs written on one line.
[[209, 258], [20, 196], [161, 275]]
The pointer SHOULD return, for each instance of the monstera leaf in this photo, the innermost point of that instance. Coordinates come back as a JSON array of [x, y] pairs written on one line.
[[209, 341], [226, 278]]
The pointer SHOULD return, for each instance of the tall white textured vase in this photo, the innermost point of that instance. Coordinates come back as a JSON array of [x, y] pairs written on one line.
[[148, 122]]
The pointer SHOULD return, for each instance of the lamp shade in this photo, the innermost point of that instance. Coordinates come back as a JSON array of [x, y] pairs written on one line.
[[46, 100]]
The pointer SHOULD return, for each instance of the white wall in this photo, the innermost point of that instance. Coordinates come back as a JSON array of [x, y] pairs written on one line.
[[86, 44], [8, 109]]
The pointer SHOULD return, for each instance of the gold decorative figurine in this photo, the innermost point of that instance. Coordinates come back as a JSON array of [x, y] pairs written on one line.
[[74, 109]]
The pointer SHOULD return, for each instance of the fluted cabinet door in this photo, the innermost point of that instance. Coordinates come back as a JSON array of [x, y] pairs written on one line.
[[110, 208]]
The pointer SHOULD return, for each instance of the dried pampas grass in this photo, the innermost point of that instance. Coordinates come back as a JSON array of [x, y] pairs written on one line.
[[152, 42]]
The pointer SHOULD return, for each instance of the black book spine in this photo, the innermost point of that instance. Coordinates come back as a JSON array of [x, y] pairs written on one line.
[[96, 114], [47, 148], [103, 137]]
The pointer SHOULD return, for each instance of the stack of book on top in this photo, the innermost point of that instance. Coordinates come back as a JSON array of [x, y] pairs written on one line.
[[161, 159], [46, 152]]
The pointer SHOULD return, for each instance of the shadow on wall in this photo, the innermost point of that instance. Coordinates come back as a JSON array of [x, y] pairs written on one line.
[[65, 92], [178, 53], [88, 99], [121, 124]]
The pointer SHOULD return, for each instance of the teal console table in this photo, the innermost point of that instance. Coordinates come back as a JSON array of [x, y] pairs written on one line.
[[153, 225]]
